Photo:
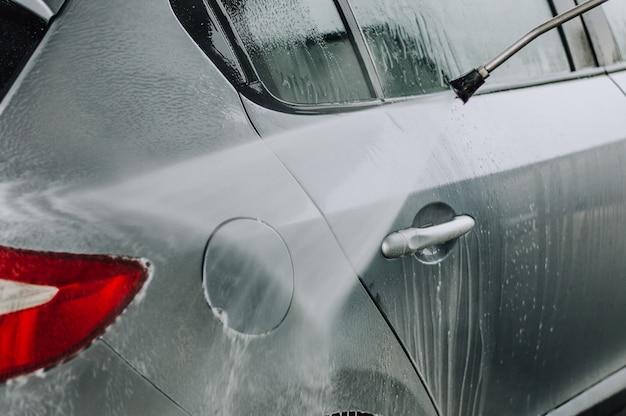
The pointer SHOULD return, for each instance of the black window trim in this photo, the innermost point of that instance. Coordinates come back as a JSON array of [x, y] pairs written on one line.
[[228, 33], [224, 24], [572, 53]]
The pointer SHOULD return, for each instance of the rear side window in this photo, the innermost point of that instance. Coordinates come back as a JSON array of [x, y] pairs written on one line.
[[419, 45], [20, 32], [300, 49]]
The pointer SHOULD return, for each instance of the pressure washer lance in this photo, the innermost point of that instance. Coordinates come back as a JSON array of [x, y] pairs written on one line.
[[466, 85]]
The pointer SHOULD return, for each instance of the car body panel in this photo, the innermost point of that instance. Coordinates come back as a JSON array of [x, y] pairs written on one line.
[[620, 79], [535, 289], [98, 382], [129, 141]]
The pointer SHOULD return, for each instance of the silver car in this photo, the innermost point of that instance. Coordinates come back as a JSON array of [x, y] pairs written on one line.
[[279, 207]]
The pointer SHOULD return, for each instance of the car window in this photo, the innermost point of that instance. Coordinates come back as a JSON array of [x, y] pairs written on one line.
[[419, 45], [20, 32], [616, 14], [300, 49]]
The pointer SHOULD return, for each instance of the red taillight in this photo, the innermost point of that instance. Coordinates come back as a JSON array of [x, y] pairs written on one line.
[[52, 304]]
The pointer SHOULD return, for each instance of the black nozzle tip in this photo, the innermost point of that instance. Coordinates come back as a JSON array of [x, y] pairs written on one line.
[[466, 85]]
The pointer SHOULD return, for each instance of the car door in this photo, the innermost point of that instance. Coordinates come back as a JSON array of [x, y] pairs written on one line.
[[524, 312]]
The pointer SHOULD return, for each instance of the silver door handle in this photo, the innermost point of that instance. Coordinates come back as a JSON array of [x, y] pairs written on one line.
[[412, 240]]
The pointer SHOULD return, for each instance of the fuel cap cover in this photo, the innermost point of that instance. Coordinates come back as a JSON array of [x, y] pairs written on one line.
[[248, 276]]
